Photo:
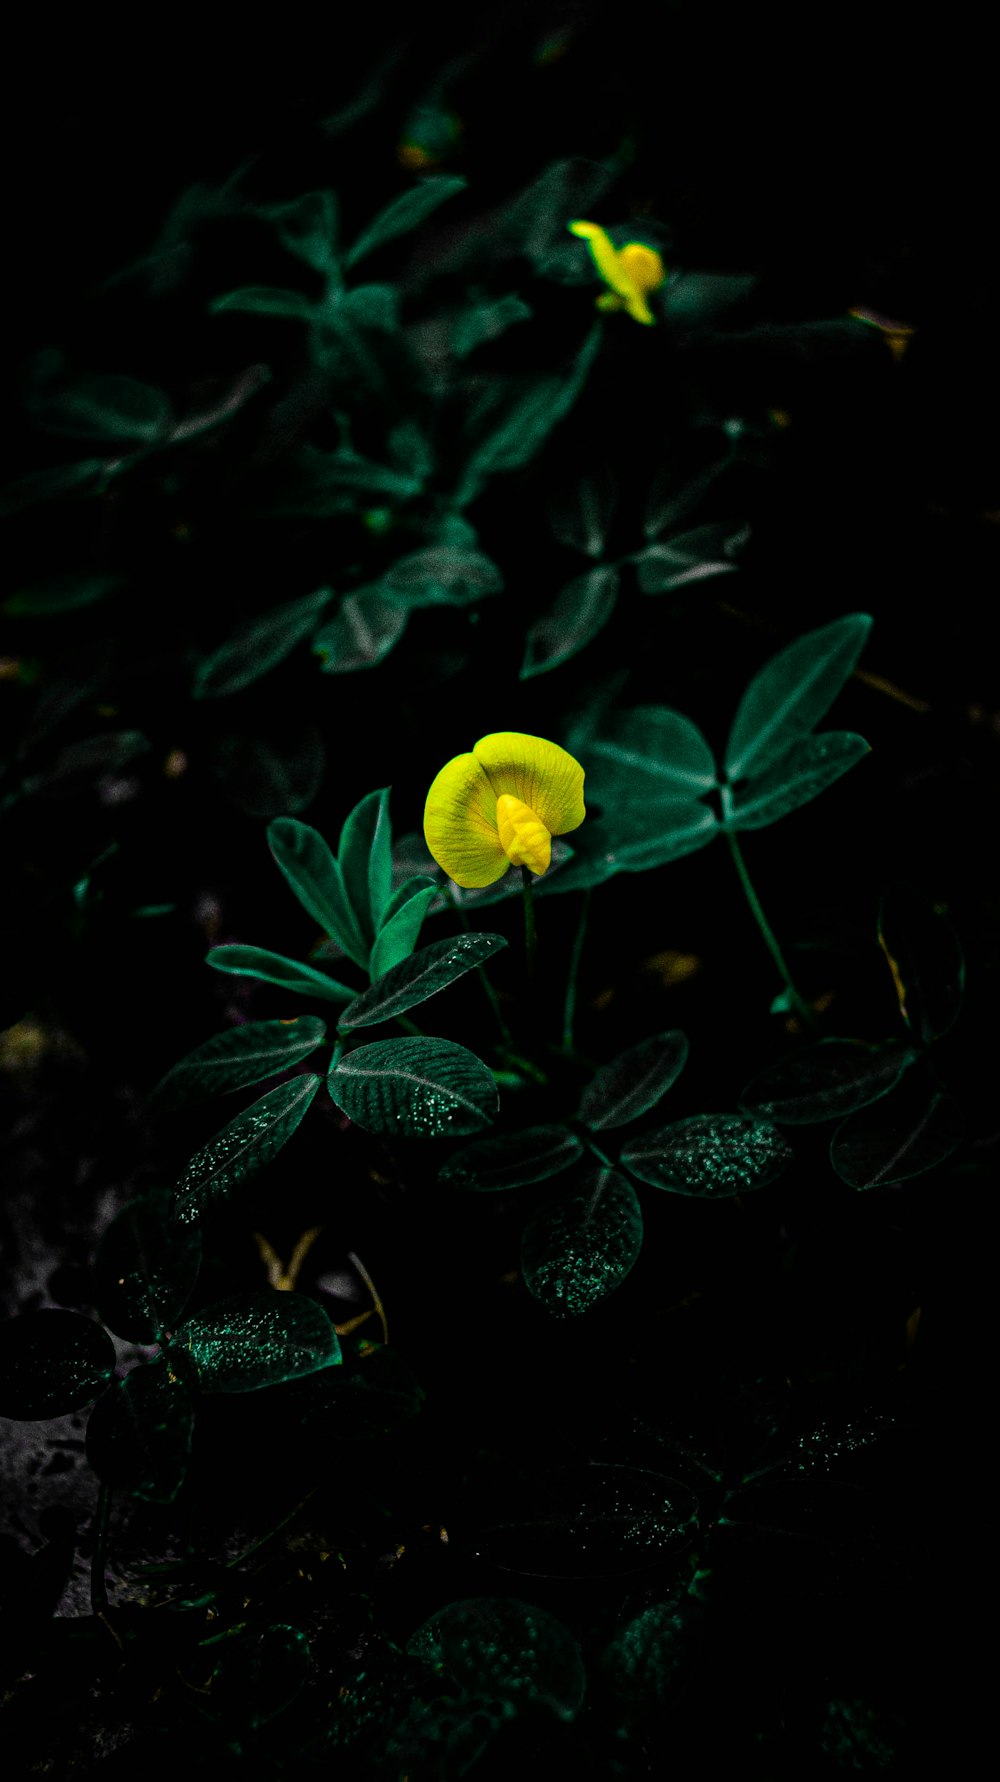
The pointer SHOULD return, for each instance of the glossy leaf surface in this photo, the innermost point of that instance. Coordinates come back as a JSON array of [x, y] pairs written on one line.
[[711, 1155], [258, 1339], [313, 872], [824, 1081], [632, 1083], [401, 924], [792, 693], [581, 1243], [512, 1159], [242, 1148], [498, 1647], [580, 610], [421, 975], [596, 1520], [274, 968], [906, 1133], [257, 647], [800, 776], [424, 1088], [145, 1269], [237, 1058]]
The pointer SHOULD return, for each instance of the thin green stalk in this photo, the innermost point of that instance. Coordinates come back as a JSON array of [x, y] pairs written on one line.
[[481, 973], [798, 1002], [529, 924], [569, 1007]]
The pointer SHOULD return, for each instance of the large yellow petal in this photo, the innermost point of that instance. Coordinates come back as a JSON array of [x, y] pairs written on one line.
[[539, 773], [460, 824]]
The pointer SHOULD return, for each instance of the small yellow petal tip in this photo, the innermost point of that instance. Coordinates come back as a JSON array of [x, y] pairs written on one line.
[[523, 836]]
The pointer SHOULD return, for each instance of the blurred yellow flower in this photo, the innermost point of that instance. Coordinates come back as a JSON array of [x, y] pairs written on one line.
[[500, 806], [632, 272]]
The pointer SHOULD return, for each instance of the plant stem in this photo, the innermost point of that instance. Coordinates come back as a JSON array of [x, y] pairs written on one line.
[[529, 924], [569, 1007], [798, 1002], [481, 973]]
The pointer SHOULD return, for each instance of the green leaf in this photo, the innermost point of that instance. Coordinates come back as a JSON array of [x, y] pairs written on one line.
[[274, 968], [421, 975], [792, 693], [667, 504], [80, 766], [51, 1363], [633, 1082], [512, 1159], [704, 299], [401, 924], [321, 484], [809, 767], [237, 1058], [580, 610], [581, 518], [43, 485], [479, 322], [261, 1671], [242, 1148], [257, 647], [824, 1081], [404, 213], [106, 406], [145, 1269], [904, 1134], [139, 1434], [926, 961], [443, 575], [519, 418], [256, 1340], [711, 1155], [650, 1661], [689, 557], [594, 1520], [498, 1648], [314, 874], [307, 227], [423, 1088], [579, 1246], [366, 627], [265, 300], [675, 828], [61, 594], [649, 754], [365, 855]]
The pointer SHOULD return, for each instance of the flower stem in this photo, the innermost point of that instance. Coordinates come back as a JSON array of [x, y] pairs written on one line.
[[798, 1002], [569, 1007], [529, 924], [491, 995]]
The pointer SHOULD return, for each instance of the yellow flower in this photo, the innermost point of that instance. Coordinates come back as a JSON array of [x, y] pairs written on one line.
[[632, 271], [500, 806]]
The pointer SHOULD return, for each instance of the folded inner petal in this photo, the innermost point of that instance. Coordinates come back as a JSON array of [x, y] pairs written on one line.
[[523, 835], [539, 773], [460, 824]]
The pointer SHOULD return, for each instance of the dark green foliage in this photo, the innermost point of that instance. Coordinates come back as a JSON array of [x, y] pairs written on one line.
[[580, 610], [259, 1671], [243, 1147], [791, 694], [274, 968], [139, 1434], [426, 1088], [513, 1159], [145, 1269], [51, 1363], [579, 1245], [237, 1058], [258, 646], [633, 1082], [421, 975], [591, 1521], [824, 1081], [497, 1647], [905, 1133], [713, 1155], [796, 778], [256, 1340]]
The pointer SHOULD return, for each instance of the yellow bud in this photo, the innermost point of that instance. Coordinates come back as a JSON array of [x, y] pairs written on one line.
[[523, 836]]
